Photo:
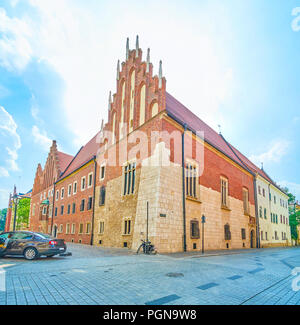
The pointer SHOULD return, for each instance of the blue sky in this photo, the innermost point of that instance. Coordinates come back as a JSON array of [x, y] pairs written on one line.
[[234, 63]]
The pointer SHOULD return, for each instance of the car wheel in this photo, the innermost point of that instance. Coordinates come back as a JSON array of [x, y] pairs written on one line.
[[30, 253]]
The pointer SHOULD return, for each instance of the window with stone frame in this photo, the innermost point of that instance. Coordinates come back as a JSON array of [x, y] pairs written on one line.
[[260, 212], [265, 213], [62, 210], [80, 228], [195, 231], [61, 229], [224, 192], [73, 208], [266, 235], [243, 231], [262, 235], [101, 227], [246, 201], [74, 187], [90, 203], [83, 183], [127, 226], [62, 193], [73, 229], [102, 195], [82, 205], [90, 180], [191, 180], [69, 189], [69, 209], [67, 228], [88, 228], [102, 172], [129, 178], [227, 232]]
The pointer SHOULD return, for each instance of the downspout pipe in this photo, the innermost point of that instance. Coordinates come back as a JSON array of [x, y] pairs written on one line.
[[94, 194], [53, 208], [256, 212], [183, 189]]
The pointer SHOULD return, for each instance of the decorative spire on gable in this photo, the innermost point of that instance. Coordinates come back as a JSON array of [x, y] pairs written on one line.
[[148, 61], [118, 70], [102, 125], [160, 75], [109, 101], [137, 46], [127, 49]]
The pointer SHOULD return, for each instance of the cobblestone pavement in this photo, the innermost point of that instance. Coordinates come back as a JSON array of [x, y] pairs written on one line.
[[118, 277]]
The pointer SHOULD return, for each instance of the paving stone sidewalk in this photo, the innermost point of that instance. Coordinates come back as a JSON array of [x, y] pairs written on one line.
[[95, 276]]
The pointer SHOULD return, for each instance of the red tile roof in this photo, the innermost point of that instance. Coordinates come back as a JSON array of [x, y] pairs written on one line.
[[63, 160], [184, 115], [84, 155]]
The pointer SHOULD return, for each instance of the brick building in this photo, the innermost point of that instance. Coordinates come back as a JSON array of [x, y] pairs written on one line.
[[153, 170]]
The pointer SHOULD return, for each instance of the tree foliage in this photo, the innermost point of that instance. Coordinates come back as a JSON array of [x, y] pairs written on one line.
[[23, 214], [3, 214]]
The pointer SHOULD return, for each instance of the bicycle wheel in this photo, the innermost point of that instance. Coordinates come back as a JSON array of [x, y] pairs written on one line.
[[139, 248]]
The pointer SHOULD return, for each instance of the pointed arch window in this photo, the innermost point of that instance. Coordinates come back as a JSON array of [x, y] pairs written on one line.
[[132, 94], [122, 110], [154, 109], [142, 104]]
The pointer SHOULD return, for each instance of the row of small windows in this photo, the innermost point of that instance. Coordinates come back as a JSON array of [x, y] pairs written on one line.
[[262, 191], [72, 208], [283, 219], [71, 228], [73, 186], [126, 227], [264, 236]]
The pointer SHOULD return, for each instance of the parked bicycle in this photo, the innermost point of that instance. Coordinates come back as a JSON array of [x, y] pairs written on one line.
[[148, 248]]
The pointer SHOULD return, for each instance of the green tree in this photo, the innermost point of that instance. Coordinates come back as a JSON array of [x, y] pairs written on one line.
[[291, 200], [3, 213], [23, 214]]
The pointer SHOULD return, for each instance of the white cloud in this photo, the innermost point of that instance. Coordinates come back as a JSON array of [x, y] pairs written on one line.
[[41, 138], [15, 48], [4, 198], [10, 142], [83, 45], [275, 152], [293, 187], [3, 172]]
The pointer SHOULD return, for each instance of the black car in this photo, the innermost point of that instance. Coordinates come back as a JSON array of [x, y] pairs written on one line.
[[31, 245]]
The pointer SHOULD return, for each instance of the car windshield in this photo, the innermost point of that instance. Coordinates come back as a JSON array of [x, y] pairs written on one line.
[[45, 236]]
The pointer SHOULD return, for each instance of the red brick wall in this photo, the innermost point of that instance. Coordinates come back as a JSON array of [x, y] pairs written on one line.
[[78, 217]]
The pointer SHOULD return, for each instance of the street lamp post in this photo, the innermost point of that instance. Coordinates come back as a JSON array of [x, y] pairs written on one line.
[[203, 220], [16, 200]]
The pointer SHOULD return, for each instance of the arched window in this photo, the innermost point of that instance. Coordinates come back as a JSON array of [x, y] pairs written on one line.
[[142, 104], [132, 93], [227, 232], [114, 129], [122, 109], [154, 109]]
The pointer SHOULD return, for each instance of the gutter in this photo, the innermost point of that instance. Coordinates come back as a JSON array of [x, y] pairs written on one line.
[[94, 194]]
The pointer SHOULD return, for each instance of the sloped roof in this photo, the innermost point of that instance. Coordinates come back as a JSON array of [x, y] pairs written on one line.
[[63, 160], [184, 115], [83, 156]]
